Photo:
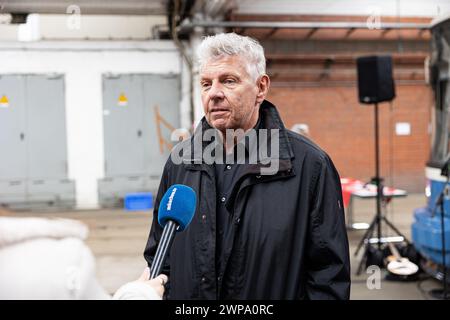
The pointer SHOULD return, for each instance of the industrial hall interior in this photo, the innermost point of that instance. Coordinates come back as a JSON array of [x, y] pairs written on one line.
[[96, 98]]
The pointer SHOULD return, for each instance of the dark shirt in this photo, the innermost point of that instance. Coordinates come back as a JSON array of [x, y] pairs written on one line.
[[225, 174]]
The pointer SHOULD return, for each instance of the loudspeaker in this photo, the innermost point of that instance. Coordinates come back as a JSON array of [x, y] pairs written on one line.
[[375, 81]]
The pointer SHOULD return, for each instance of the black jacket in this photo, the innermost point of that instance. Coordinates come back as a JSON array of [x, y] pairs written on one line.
[[288, 238]]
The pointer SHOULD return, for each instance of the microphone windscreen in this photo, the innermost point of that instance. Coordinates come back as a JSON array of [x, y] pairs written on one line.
[[177, 204]]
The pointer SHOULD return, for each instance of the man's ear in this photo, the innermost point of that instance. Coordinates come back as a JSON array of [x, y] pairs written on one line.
[[263, 88]]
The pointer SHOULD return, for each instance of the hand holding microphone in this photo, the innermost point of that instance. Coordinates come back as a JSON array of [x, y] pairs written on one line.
[[156, 283]]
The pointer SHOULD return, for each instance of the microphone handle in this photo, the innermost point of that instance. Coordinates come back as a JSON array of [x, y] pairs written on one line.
[[165, 242]]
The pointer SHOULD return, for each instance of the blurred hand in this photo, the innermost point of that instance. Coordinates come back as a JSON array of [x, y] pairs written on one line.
[[157, 283]]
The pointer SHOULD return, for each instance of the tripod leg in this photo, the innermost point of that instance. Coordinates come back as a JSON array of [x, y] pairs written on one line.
[[367, 235], [363, 260], [395, 229]]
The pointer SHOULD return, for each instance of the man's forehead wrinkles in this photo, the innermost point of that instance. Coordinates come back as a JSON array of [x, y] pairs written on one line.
[[219, 74], [222, 66]]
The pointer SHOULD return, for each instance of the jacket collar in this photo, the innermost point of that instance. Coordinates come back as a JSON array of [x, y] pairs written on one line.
[[271, 120]]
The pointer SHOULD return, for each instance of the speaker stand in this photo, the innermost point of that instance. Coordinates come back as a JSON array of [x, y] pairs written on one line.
[[379, 217]]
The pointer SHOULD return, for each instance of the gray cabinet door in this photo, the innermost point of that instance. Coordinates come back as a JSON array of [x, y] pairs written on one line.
[[33, 164], [123, 121], [137, 140], [46, 130], [12, 128], [161, 96], [13, 147]]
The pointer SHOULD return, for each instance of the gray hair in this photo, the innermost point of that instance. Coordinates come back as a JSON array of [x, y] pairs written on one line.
[[231, 44]]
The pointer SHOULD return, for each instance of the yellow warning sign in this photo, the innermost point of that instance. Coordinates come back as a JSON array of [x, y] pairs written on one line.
[[4, 102], [123, 100]]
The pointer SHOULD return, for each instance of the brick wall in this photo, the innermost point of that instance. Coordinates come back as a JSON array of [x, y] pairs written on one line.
[[344, 128], [313, 74]]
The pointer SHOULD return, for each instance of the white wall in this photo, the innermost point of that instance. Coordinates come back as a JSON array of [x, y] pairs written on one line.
[[8, 32], [83, 64]]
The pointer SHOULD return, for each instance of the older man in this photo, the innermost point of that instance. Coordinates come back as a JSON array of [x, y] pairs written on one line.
[[254, 235]]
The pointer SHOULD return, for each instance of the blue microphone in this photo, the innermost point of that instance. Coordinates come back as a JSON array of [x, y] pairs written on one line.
[[176, 210]]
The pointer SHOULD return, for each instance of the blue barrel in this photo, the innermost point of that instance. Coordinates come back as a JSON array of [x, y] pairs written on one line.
[[426, 235]]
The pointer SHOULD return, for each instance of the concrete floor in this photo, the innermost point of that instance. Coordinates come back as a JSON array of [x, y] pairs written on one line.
[[400, 213], [117, 239]]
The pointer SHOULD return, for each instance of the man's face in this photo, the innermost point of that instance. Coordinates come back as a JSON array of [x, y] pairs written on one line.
[[230, 96]]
